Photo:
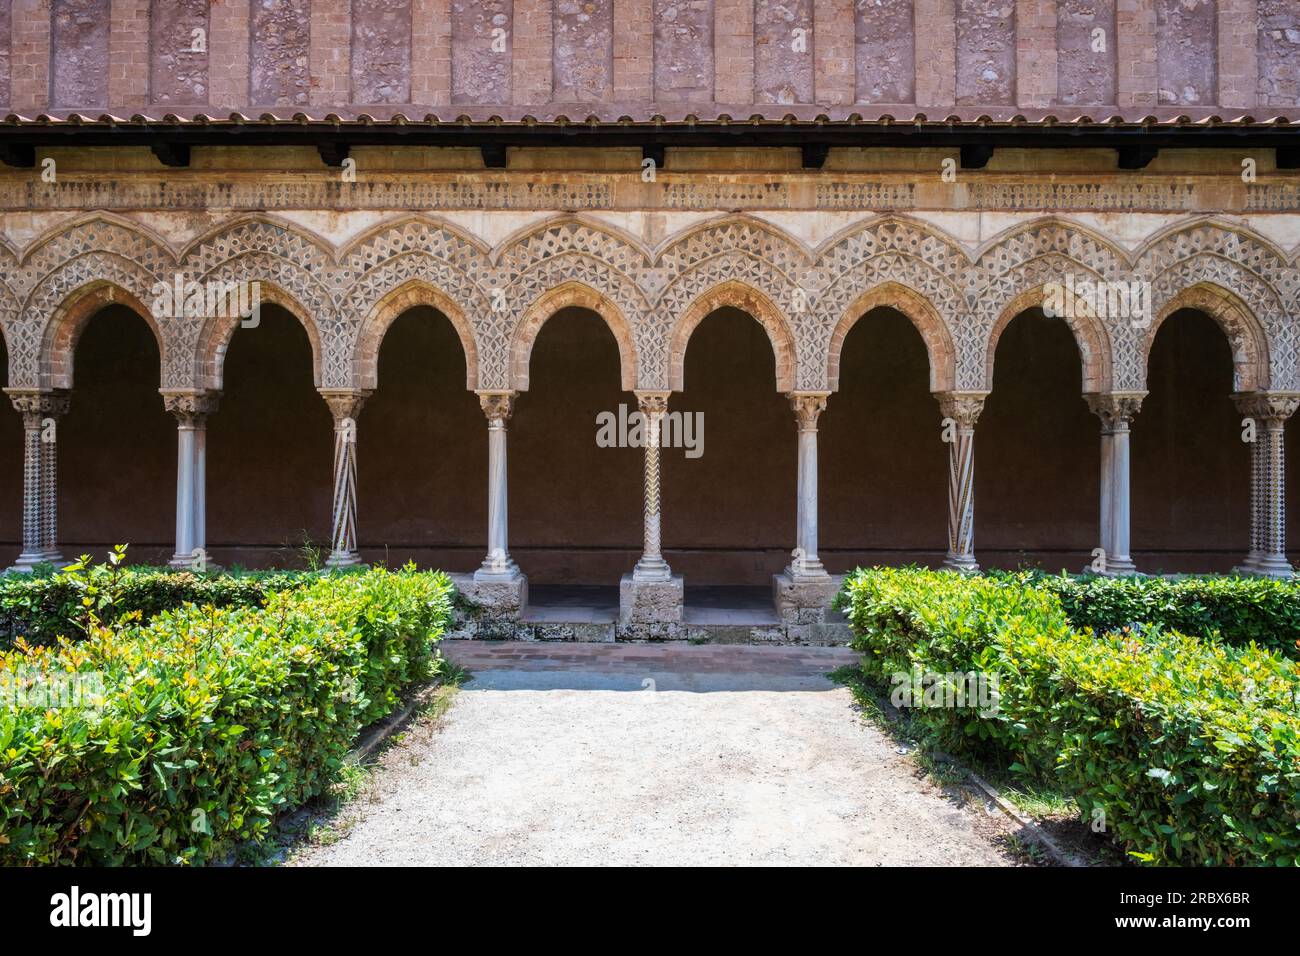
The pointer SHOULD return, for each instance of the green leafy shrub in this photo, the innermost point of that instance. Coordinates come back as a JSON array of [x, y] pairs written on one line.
[[1237, 610], [44, 607], [210, 721], [1190, 748]]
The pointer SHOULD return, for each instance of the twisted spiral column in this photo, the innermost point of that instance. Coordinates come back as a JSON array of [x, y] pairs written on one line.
[[962, 410], [344, 405]]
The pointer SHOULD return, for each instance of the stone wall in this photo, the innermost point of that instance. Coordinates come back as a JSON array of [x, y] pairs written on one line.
[[542, 58]]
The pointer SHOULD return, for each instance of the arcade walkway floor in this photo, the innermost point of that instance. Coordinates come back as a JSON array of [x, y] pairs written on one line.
[[652, 754]]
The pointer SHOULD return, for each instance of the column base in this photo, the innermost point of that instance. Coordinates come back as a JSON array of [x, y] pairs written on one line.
[[1115, 568], [803, 598], [1266, 566], [964, 563], [343, 559], [651, 602], [28, 560], [500, 594]]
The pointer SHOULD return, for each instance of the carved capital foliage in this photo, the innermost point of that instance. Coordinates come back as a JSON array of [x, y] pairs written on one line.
[[1268, 407], [1115, 409], [962, 407], [807, 407], [191, 408], [345, 403], [653, 403], [34, 406], [497, 406]]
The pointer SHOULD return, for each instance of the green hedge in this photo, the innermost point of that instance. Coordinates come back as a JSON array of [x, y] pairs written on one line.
[[41, 608], [1238, 610], [213, 720], [1191, 748]]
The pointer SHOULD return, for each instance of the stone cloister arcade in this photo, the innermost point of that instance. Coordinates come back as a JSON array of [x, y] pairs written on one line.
[[500, 296]]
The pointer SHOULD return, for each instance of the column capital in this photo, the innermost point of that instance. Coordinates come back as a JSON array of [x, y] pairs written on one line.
[[962, 407], [807, 407], [1267, 406], [652, 402], [497, 406], [345, 403], [191, 408], [1115, 409], [39, 404]]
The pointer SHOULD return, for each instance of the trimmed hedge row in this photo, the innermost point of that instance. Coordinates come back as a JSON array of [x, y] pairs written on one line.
[[213, 720], [41, 608], [1239, 610], [1189, 747]]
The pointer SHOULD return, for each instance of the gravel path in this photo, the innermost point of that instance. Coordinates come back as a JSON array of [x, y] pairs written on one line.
[[651, 754]]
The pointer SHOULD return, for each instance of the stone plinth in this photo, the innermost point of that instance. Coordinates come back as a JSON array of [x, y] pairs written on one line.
[[803, 600], [650, 602]]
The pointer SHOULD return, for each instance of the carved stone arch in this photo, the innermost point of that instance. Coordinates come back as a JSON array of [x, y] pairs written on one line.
[[1022, 287], [901, 238], [410, 294], [1245, 333], [410, 232], [561, 297], [280, 281], [923, 316], [68, 320], [89, 240], [1090, 337], [254, 233], [748, 299], [1212, 234], [1053, 235], [570, 232], [208, 351], [754, 238], [10, 328]]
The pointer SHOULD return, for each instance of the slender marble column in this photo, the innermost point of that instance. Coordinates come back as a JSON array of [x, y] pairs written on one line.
[[961, 410], [191, 410], [1269, 412], [41, 412], [498, 565], [1116, 411], [806, 564], [345, 406], [652, 566]]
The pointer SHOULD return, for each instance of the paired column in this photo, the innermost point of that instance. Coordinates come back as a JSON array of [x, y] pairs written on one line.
[[191, 410], [498, 565], [345, 406], [961, 410], [1268, 413], [41, 412], [1116, 411]]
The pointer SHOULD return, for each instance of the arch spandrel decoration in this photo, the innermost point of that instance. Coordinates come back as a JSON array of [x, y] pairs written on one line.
[[336, 293]]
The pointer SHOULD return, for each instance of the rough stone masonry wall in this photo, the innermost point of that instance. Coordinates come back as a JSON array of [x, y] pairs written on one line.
[[641, 58]]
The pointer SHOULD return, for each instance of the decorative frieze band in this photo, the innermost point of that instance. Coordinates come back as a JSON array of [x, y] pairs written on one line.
[[575, 191]]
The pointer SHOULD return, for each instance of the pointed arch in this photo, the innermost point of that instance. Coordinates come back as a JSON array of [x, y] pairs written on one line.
[[1089, 333], [68, 321], [561, 297], [741, 296], [409, 295], [214, 338], [1245, 333], [923, 316]]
